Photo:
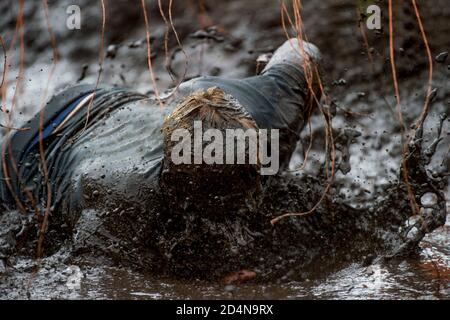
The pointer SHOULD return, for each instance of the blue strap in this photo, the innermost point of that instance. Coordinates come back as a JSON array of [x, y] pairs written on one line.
[[55, 122]]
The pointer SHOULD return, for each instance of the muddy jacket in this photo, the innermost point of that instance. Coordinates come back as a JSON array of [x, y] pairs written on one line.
[[114, 144]]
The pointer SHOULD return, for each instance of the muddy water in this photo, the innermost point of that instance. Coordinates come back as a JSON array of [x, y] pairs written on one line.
[[232, 51], [427, 277]]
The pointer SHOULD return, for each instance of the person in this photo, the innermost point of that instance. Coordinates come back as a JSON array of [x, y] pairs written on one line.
[[111, 188], [111, 139]]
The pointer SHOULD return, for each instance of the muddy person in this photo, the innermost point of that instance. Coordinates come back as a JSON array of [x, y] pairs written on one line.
[[122, 141], [98, 172]]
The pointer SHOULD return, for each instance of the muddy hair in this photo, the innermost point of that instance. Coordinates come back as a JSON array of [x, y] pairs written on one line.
[[204, 185]]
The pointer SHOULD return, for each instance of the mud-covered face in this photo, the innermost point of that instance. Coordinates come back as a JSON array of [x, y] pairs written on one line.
[[212, 189]]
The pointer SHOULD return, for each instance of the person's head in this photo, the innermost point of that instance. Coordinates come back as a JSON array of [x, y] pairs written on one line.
[[198, 170]]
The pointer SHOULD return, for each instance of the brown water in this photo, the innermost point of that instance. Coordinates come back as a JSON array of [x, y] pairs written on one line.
[[329, 24]]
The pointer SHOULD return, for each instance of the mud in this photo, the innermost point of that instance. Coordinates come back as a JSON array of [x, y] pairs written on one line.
[[365, 122]]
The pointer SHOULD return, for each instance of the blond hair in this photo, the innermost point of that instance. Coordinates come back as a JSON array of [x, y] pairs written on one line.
[[217, 110]]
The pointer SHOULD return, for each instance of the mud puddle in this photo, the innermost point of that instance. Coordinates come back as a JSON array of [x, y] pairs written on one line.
[[427, 277]]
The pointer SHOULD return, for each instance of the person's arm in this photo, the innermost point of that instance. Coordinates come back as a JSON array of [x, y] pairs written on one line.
[[281, 97]]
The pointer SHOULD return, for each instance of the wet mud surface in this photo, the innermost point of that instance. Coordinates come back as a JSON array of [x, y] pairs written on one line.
[[361, 94], [409, 279]]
